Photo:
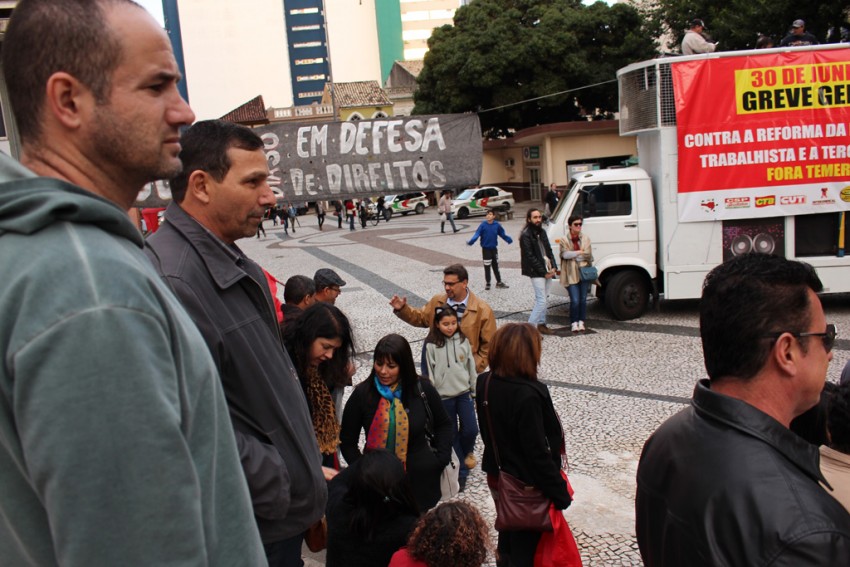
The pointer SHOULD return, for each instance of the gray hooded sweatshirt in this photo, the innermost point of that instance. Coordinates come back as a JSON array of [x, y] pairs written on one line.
[[115, 442]]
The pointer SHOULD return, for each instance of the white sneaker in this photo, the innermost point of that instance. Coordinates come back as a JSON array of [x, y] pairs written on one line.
[[574, 327], [581, 325]]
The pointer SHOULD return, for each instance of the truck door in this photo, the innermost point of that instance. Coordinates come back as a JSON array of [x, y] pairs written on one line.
[[610, 217]]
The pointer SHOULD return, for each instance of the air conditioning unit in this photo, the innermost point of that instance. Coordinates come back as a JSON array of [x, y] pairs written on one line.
[[509, 162]]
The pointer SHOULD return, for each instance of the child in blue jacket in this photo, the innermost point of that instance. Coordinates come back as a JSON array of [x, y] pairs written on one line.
[[490, 231]]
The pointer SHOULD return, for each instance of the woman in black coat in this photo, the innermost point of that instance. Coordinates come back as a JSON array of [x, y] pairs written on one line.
[[390, 407], [524, 425]]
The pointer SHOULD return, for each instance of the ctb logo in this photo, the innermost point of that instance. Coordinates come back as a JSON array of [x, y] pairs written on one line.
[[768, 201]]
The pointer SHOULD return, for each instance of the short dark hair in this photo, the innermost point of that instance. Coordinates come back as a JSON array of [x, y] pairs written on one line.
[[205, 146], [838, 418], [574, 218], [297, 288], [378, 491], [48, 36], [320, 320], [515, 351], [745, 298], [457, 270], [453, 533]]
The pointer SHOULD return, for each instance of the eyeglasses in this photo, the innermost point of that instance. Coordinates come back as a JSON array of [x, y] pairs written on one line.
[[577, 224], [335, 288], [450, 284], [827, 337]]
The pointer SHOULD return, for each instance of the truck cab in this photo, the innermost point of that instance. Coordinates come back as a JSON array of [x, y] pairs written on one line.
[[619, 217], [651, 237]]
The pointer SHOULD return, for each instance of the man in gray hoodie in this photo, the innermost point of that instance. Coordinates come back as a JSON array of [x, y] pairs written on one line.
[[115, 443]]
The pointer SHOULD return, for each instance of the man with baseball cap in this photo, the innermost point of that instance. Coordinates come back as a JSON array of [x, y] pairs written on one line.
[[328, 283], [798, 36], [694, 42]]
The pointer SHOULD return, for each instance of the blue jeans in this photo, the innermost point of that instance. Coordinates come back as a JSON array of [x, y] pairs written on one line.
[[461, 408], [578, 301], [285, 553], [451, 218], [541, 292]]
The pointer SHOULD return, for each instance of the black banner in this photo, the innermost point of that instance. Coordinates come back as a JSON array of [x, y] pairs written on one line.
[[341, 160]]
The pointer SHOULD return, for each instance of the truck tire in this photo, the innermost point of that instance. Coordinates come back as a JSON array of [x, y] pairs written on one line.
[[420, 208], [627, 295], [463, 213]]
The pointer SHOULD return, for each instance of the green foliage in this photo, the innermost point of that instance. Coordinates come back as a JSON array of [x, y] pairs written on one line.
[[499, 52], [736, 24]]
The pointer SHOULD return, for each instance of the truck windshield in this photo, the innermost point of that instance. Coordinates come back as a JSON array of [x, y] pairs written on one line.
[[604, 200], [563, 198]]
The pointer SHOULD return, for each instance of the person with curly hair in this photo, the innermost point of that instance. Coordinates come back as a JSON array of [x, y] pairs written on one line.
[[453, 533]]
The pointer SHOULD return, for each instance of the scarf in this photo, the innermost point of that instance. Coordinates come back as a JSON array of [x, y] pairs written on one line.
[[323, 412], [390, 428], [576, 242]]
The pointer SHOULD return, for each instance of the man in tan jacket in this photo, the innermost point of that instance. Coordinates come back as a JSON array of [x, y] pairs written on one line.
[[477, 320]]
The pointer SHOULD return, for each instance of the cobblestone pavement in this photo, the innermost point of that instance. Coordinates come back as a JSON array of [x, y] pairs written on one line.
[[612, 386]]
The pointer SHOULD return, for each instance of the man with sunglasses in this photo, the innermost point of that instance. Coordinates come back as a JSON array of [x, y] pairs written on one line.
[[725, 482]]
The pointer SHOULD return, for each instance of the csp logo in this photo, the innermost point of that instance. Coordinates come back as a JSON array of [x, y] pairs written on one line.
[[768, 201]]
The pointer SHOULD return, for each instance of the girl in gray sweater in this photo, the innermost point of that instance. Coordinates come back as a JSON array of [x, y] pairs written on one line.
[[451, 367]]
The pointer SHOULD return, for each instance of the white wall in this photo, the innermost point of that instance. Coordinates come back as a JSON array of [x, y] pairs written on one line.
[[353, 38], [233, 52]]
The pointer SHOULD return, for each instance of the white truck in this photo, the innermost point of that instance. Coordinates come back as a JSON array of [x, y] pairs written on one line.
[[758, 161]]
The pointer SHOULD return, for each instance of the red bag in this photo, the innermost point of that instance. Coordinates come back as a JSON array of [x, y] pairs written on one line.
[[558, 548]]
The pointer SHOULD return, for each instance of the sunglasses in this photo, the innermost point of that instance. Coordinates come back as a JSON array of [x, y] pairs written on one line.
[[828, 337], [577, 224]]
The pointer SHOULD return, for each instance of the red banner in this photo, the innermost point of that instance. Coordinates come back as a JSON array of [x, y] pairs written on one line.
[[763, 135]]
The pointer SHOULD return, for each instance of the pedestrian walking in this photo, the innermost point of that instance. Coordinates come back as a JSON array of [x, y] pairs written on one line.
[[444, 207], [320, 213]]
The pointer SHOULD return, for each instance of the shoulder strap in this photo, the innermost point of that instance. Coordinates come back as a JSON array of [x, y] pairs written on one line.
[[429, 417], [489, 419]]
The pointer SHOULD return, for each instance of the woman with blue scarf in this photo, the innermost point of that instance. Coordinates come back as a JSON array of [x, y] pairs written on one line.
[[390, 406]]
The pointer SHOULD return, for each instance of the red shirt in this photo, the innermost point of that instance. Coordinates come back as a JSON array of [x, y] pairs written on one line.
[[402, 558]]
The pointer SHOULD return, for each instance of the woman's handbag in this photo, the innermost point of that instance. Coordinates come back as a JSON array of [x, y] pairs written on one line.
[[449, 484], [589, 274], [519, 506]]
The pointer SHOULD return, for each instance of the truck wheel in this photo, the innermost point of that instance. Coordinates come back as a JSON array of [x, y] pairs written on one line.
[[626, 295], [420, 208], [463, 213]]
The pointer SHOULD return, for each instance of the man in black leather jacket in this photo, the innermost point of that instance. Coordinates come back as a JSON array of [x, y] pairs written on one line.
[[725, 482], [538, 263]]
